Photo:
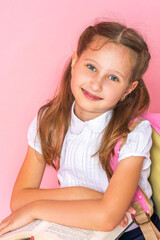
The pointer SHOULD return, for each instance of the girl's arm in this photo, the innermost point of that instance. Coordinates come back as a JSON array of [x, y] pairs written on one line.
[[26, 188], [101, 215], [104, 214]]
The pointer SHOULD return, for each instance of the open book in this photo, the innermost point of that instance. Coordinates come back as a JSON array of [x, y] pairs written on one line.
[[42, 230]]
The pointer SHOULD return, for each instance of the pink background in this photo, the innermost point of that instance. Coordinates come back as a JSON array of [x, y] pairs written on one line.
[[36, 39]]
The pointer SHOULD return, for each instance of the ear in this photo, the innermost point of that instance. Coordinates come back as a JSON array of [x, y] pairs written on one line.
[[131, 87], [74, 60]]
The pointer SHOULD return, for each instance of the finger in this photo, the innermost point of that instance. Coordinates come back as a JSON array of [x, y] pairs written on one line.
[[6, 219], [125, 220], [122, 223], [131, 210], [3, 224], [7, 227], [4, 230]]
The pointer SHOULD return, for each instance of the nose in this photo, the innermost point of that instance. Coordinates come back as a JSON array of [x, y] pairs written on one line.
[[96, 84]]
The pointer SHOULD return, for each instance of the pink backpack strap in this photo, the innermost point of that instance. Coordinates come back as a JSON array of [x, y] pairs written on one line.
[[114, 162]]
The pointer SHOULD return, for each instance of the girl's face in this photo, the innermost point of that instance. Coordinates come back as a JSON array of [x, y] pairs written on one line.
[[100, 78]]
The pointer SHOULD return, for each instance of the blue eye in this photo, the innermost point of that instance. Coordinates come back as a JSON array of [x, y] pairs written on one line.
[[91, 67], [113, 78]]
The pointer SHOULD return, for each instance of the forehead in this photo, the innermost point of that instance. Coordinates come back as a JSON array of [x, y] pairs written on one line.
[[101, 43], [102, 47]]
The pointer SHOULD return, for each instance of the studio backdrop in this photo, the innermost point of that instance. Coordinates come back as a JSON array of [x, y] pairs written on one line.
[[36, 39]]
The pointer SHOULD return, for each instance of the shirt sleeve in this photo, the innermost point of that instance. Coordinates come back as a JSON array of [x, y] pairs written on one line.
[[138, 143], [33, 138]]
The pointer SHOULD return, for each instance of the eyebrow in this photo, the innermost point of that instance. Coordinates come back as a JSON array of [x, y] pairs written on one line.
[[112, 70]]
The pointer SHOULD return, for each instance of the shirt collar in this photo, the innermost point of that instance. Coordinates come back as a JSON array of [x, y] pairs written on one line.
[[96, 125]]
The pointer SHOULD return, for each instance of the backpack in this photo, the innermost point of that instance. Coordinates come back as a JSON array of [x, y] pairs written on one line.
[[154, 178], [140, 202]]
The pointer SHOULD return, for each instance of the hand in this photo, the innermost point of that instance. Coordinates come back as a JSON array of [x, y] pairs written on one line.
[[124, 221], [17, 219]]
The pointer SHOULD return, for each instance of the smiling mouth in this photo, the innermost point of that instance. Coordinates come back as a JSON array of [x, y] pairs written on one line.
[[90, 96]]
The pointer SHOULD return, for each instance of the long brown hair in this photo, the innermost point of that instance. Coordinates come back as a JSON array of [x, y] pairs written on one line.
[[54, 117]]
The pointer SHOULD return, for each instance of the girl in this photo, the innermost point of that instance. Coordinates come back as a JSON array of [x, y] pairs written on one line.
[[101, 93]]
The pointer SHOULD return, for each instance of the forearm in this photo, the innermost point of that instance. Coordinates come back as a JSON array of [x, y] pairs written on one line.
[[87, 214], [29, 195]]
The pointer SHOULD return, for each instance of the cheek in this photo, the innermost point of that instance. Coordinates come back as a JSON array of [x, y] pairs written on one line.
[[75, 84], [78, 79], [114, 93], [73, 79], [72, 85]]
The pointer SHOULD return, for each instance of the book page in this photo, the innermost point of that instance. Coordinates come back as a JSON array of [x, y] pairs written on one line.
[[59, 232], [26, 231], [54, 231]]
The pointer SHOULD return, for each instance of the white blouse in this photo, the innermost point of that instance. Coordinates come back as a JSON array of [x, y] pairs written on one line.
[[78, 166]]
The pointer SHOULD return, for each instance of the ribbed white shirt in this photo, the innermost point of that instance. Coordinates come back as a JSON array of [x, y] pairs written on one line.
[[78, 166]]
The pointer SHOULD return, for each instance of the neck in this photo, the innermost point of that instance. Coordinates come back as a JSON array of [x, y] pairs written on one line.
[[86, 116]]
